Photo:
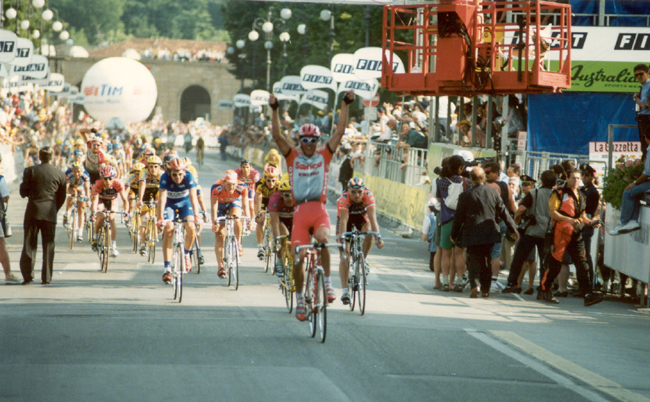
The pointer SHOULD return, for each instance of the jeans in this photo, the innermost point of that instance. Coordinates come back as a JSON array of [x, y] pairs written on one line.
[[524, 247], [631, 206]]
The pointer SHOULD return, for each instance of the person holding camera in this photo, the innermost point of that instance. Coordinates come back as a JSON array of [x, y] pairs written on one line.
[[567, 209], [532, 216]]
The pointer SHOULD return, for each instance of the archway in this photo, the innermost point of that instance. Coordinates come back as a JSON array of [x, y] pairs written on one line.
[[195, 102]]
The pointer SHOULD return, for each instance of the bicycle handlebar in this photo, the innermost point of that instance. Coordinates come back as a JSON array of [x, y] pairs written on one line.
[[231, 218], [319, 246], [350, 234]]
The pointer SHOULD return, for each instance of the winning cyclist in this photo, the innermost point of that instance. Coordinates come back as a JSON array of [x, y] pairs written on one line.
[[355, 209], [106, 190], [177, 193], [281, 210], [95, 157], [229, 196], [78, 183], [308, 172], [148, 186], [263, 191]]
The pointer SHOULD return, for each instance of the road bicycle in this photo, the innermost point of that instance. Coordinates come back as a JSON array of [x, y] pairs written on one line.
[[196, 246], [200, 154], [356, 266], [315, 293], [72, 222], [151, 235], [104, 240], [231, 256], [178, 257], [267, 243], [134, 228], [287, 283]]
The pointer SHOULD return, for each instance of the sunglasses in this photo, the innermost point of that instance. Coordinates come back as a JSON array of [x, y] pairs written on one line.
[[178, 174], [308, 140], [639, 74], [107, 178], [527, 183], [355, 191], [287, 194]]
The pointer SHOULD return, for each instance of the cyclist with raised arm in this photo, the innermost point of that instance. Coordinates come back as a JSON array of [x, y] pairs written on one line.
[[355, 209], [95, 157], [308, 173], [148, 187], [177, 194], [281, 210], [78, 183], [106, 191], [263, 191], [229, 196]]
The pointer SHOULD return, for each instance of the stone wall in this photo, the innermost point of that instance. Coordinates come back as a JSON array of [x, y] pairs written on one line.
[[172, 78]]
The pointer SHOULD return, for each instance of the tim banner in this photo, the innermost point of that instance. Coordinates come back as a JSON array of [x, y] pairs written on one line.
[[316, 98], [260, 97], [292, 86], [8, 41], [315, 77], [242, 100], [37, 68], [368, 63]]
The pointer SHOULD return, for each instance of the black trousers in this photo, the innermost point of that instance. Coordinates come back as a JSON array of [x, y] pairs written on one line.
[[643, 121], [478, 264], [576, 249], [523, 249], [28, 256]]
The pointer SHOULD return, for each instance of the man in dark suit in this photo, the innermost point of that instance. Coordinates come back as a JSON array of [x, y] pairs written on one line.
[[476, 216], [44, 185]]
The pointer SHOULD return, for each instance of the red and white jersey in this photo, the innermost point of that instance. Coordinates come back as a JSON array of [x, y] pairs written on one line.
[[250, 180], [219, 192], [93, 160], [309, 176]]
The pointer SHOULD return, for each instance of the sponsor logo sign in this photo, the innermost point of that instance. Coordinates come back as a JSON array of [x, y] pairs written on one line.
[[8, 41], [291, 85], [225, 104], [260, 97], [365, 89], [368, 62], [24, 52], [316, 98], [37, 68], [342, 67], [242, 100], [314, 77]]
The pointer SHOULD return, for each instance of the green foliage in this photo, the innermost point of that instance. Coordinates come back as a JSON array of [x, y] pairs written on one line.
[[95, 17], [619, 178]]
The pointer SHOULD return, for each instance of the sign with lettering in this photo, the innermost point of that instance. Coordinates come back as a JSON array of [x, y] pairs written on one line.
[[260, 97], [365, 89], [225, 104], [292, 86], [8, 41], [37, 68], [316, 98], [314, 77], [277, 91], [24, 52], [119, 87], [599, 151], [242, 100], [368, 62], [55, 82], [3, 71], [342, 67]]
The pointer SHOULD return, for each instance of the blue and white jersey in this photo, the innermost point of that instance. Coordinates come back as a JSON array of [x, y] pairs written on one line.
[[177, 192], [83, 178]]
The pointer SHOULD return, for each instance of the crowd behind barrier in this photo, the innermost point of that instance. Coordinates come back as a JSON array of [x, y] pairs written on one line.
[[200, 55]]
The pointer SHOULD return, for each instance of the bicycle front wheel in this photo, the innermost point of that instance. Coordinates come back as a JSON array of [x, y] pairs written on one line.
[[310, 300], [287, 283], [227, 258], [361, 288], [73, 223], [177, 274], [195, 256], [352, 280], [235, 262], [321, 306]]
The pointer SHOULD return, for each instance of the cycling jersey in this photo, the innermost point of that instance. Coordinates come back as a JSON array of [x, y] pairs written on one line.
[[309, 176], [250, 180], [94, 159], [276, 204], [178, 195], [152, 185], [262, 188], [226, 200], [133, 183], [109, 192], [345, 203], [79, 183]]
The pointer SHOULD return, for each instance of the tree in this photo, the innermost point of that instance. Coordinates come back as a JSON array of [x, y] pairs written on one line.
[[94, 17]]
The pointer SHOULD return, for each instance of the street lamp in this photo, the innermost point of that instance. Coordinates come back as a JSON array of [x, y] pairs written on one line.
[[326, 15], [284, 38], [267, 25], [302, 30]]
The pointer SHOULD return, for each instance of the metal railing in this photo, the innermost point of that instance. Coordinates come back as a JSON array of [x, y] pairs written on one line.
[[403, 165]]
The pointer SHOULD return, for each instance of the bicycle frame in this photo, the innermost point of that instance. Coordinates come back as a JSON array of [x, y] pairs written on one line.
[[356, 260]]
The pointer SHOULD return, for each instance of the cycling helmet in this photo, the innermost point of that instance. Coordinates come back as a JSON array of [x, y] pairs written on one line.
[[356, 182], [285, 177], [244, 162], [79, 141], [97, 140], [58, 141], [77, 152], [284, 185], [107, 171], [309, 130], [231, 177], [117, 145], [157, 141], [148, 152], [154, 160], [76, 165], [271, 172], [138, 141], [176, 164], [109, 147], [105, 136], [272, 155], [138, 167], [188, 162]]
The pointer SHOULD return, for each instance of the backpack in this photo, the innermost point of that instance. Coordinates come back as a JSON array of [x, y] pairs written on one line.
[[451, 201]]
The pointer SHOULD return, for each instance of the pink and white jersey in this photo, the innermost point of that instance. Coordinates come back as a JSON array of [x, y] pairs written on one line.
[[309, 176]]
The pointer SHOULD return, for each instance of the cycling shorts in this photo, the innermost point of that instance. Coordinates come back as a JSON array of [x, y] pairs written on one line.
[[184, 208], [354, 221], [308, 218], [106, 205], [288, 223], [223, 209]]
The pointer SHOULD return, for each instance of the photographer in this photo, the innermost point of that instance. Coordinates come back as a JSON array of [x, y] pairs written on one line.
[[567, 209], [532, 216]]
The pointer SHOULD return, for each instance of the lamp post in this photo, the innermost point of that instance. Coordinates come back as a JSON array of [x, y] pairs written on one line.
[[267, 25], [328, 15], [284, 38], [302, 30]]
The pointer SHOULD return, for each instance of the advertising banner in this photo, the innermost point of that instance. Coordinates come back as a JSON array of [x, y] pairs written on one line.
[[260, 97], [225, 104], [314, 77], [342, 67], [316, 98], [24, 52], [55, 82], [368, 62], [8, 41], [292, 86], [364, 89], [242, 100], [37, 68], [279, 94]]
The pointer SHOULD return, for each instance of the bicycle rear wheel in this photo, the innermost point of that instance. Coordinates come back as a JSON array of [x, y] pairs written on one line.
[[235, 262], [195, 256], [321, 306], [310, 300], [361, 288], [227, 260], [287, 283]]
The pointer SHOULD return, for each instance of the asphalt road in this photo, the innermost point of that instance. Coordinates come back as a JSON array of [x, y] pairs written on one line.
[[120, 336]]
